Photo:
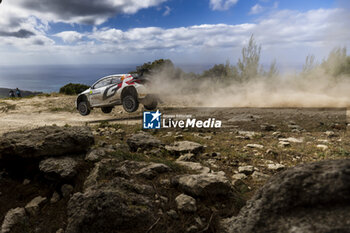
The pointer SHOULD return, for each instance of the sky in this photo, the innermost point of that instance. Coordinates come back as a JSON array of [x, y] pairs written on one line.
[[34, 32]]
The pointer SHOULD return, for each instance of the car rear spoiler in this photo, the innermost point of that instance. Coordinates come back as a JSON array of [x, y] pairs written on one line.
[[140, 78]]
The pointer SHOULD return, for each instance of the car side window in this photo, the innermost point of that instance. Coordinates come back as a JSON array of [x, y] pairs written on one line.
[[116, 79], [103, 83]]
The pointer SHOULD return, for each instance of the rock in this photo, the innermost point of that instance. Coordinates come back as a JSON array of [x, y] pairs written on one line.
[[152, 170], [205, 184], [198, 221], [183, 147], [192, 229], [186, 203], [67, 190], [142, 141], [64, 167], [109, 169], [283, 144], [239, 176], [173, 214], [238, 183], [272, 152], [97, 154], [26, 181], [277, 134], [112, 205], [164, 199], [291, 139], [275, 167], [104, 168], [33, 207], [312, 197], [14, 217], [259, 176], [55, 198], [294, 126], [194, 166], [189, 157], [247, 170], [179, 137], [267, 127], [257, 146], [330, 134], [44, 141], [164, 182], [247, 134], [322, 147]]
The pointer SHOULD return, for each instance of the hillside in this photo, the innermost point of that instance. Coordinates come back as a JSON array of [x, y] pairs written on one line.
[[4, 92]]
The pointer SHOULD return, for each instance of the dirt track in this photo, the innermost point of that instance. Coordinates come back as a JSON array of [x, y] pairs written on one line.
[[29, 113], [60, 110]]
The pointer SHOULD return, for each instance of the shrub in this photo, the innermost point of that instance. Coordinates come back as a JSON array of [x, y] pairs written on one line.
[[73, 88]]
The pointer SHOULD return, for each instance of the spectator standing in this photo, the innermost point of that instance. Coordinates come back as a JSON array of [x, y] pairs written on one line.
[[18, 93]]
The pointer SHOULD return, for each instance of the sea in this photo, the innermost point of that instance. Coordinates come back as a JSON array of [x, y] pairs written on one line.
[[50, 78]]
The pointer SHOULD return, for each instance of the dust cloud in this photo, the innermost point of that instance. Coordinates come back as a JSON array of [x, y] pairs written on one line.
[[317, 86]]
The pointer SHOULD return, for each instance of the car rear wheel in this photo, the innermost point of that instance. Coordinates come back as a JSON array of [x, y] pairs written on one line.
[[153, 105], [107, 109], [83, 108], [130, 103]]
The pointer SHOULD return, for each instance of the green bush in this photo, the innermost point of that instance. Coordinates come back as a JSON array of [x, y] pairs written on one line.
[[73, 88]]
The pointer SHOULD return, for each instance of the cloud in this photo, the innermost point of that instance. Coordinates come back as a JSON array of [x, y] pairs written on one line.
[[287, 28], [289, 35], [221, 5], [22, 33], [256, 9], [81, 11], [167, 11], [70, 36]]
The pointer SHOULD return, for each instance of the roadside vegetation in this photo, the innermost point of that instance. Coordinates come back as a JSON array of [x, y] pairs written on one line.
[[73, 89]]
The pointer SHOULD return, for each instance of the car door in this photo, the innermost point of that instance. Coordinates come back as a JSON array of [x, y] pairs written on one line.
[[111, 91], [98, 90]]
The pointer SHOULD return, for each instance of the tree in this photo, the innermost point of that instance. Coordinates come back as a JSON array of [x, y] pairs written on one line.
[[156, 66], [310, 63], [273, 71], [248, 66], [337, 62], [73, 89]]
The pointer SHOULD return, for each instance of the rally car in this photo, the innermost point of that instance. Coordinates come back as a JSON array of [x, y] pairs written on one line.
[[119, 89]]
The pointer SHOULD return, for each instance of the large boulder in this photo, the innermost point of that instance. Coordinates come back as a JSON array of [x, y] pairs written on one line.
[[183, 147], [116, 206], [43, 141], [14, 217], [33, 207], [204, 184], [186, 203], [64, 167], [143, 141], [312, 197], [152, 170], [110, 168]]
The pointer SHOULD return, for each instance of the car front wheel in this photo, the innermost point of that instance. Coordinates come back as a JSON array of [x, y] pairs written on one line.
[[83, 108], [130, 103]]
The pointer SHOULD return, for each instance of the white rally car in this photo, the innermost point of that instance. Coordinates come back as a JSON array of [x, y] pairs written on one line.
[[119, 89]]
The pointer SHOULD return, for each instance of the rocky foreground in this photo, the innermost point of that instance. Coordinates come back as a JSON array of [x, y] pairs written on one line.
[[108, 179]]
